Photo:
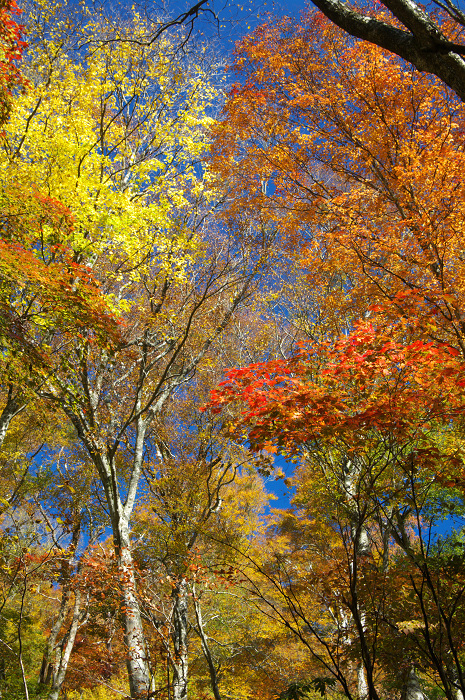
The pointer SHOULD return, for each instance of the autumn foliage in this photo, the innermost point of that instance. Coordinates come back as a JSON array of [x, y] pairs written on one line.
[[11, 48], [357, 159], [354, 158], [37, 258], [310, 237]]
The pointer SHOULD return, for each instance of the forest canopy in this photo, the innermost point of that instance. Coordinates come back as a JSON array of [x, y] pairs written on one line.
[[232, 369]]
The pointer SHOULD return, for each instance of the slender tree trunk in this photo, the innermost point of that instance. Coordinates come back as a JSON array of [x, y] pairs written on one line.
[[66, 648], [362, 686], [361, 549], [206, 649], [134, 638], [454, 678], [179, 636], [47, 669], [11, 409], [136, 651], [133, 631], [412, 689]]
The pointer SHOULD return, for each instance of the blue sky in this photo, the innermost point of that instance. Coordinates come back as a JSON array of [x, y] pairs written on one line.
[[236, 18]]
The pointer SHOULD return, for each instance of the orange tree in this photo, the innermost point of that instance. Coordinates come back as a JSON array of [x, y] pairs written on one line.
[[353, 157], [356, 158]]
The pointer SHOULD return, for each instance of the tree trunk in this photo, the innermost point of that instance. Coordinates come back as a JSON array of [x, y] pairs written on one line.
[[11, 409], [133, 631], [362, 686], [455, 682], [352, 473], [412, 689], [424, 45], [134, 638], [48, 670], [67, 646], [179, 636], [206, 649]]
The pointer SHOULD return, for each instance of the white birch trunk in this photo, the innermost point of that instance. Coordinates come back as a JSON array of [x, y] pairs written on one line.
[[359, 533], [362, 685], [133, 631], [134, 638], [48, 668], [179, 636], [361, 548], [10, 410], [454, 678], [59, 674], [46, 671], [412, 689]]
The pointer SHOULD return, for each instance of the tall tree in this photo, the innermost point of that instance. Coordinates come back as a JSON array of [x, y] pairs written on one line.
[[201, 496], [117, 134]]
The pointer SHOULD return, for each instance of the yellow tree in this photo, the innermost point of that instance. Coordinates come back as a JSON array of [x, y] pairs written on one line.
[[116, 130]]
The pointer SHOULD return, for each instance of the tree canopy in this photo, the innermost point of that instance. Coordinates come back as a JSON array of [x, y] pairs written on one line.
[[216, 284]]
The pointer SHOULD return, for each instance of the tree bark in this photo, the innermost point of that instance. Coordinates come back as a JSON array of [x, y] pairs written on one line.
[[455, 681], [136, 659], [179, 635], [47, 669], [361, 548], [134, 638], [362, 687], [67, 646], [11, 409]]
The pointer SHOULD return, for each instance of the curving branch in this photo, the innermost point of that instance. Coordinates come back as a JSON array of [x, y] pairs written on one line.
[[422, 43]]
